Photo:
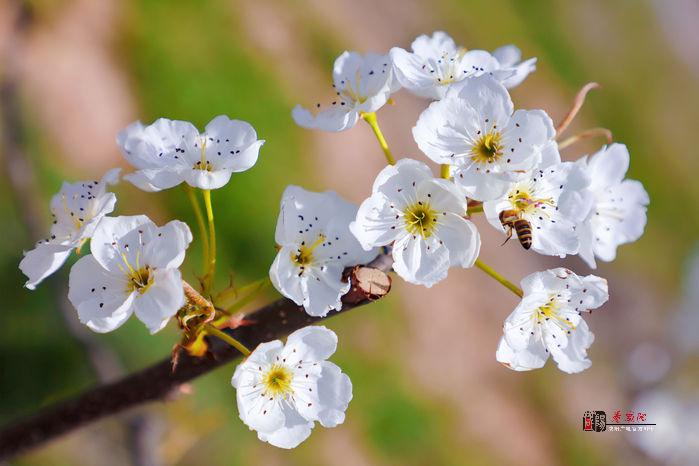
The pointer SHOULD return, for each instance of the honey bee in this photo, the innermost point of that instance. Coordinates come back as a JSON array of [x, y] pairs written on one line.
[[512, 220]]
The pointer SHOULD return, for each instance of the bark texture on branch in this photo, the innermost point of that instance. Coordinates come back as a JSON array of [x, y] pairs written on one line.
[[156, 382]]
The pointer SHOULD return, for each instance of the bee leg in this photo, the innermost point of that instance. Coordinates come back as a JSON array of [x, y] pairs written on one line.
[[509, 236]]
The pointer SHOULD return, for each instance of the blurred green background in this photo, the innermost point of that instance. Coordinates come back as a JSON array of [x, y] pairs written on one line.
[[427, 388]]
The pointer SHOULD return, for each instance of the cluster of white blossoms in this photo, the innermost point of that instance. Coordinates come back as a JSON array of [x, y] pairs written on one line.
[[494, 159]]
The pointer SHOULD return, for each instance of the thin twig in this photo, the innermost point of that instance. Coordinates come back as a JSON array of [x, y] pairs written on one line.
[[588, 133], [577, 105]]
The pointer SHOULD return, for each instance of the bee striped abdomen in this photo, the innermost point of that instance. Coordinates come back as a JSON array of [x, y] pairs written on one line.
[[524, 232]]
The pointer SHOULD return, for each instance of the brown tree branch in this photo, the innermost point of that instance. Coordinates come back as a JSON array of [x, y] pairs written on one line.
[[159, 381]]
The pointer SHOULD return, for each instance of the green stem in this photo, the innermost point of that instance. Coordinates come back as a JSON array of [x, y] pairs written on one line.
[[220, 334], [212, 238], [200, 222], [371, 119], [503, 281]]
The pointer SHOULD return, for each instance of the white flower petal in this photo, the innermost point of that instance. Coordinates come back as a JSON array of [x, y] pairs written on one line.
[[445, 128], [435, 45], [521, 71], [376, 223], [157, 145], [417, 264], [295, 430], [337, 118], [461, 238], [42, 261], [482, 186], [231, 144], [403, 176], [508, 55], [609, 166], [156, 179], [488, 97], [573, 358], [163, 298], [312, 343], [323, 290], [555, 239], [105, 245], [408, 68], [166, 248], [204, 179], [100, 297], [528, 131], [533, 357], [334, 395], [284, 275]]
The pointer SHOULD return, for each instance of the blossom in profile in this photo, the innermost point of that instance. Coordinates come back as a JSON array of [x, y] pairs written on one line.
[[476, 130], [283, 390], [315, 246], [548, 321], [617, 206], [169, 152], [133, 268], [423, 218], [435, 63], [76, 209], [362, 84]]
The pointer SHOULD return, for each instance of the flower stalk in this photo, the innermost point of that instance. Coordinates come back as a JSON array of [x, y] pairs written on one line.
[[200, 223], [213, 331], [502, 280], [445, 171], [370, 118], [211, 270]]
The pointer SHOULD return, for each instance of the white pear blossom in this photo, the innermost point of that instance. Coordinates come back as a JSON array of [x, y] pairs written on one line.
[[423, 217], [475, 130], [76, 210], [282, 390], [315, 247], [617, 206], [535, 196], [133, 268], [169, 152], [436, 63], [362, 83], [548, 321]]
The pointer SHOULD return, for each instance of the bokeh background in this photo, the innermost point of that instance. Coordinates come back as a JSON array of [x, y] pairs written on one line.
[[427, 388]]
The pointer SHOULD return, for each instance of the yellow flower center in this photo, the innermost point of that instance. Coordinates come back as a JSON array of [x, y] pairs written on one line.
[[420, 219], [550, 311], [488, 148], [140, 280], [304, 254], [277, 380], [203, 164], [524, 202]]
